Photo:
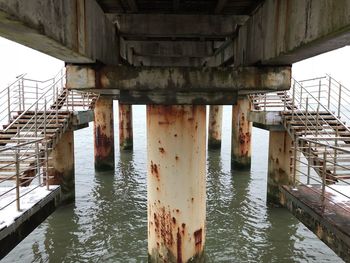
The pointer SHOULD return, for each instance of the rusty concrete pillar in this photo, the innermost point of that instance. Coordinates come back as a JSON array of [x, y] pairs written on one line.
[[125, 127], [214, 129], [61, 166], [241, 134], [280, 165], [104, 134], [176, 148]]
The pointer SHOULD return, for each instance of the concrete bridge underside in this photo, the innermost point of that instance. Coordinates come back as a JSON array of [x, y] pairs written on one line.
[[176, 57]]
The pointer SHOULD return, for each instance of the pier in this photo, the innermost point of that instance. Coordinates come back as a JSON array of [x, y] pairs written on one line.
[[177, 58]]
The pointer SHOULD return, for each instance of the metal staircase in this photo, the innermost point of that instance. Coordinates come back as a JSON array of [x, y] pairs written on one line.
[[34, 114], [315, 113]]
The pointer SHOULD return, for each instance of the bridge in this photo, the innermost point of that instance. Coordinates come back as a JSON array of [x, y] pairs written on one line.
[[177, 57]]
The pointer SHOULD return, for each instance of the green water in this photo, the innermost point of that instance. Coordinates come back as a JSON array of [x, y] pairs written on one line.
[[108, 222]]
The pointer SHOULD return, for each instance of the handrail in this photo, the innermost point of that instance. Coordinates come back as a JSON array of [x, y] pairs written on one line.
[[45, 102]]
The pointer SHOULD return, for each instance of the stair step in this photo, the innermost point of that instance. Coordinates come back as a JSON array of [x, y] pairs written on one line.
[[288, 114]]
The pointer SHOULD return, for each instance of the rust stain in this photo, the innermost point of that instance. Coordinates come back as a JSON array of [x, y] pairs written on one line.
[[164, 226], [198, 239], [103, 143], [154, 170], [176, 158], [179, 246], [161, 150]]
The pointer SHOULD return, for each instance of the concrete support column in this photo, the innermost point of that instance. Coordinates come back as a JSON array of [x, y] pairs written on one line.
[[125, 127], [176, 186], [280, 165], [104, 134], [215, 124], [241, 134], [61, 163]]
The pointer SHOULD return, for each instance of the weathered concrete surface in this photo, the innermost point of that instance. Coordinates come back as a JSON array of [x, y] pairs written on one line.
[[104, 134], [74, 31], [176, 189], [241, 134], [177, 49], [125, 127], [12, 235], [177, 79], [267, 120], [81, 119], [164, 97], [61, 166], [214, 128], [284, 32], [328, 221], [280, 165], [174, 25]]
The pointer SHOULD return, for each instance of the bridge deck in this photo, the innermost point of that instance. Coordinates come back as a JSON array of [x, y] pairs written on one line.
[[328, 219], [36, 206]]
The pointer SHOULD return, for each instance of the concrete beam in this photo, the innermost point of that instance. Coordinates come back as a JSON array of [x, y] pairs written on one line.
[[284, 32], [147, 61], [74, 31], [124, 78], [168, 48], [180, 26]]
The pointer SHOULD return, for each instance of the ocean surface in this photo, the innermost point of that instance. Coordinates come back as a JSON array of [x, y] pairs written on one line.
[[108, 221]]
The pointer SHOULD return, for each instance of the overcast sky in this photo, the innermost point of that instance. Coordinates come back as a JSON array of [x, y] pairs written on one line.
[[17, 59]]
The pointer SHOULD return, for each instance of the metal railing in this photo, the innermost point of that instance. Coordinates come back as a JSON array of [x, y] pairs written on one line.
[[36, 114], [23, 163], [309, 115], [315, 113], [332, 94], [323, 165]]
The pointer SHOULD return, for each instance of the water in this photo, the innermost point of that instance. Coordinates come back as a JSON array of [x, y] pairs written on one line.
[[107, 223]]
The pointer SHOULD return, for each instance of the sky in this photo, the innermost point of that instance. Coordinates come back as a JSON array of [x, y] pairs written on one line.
[[17, 59]]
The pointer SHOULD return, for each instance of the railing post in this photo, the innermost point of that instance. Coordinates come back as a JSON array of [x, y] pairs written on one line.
[[306, 115], [53, 93], [36, 91], [293, 101], [324, 174], [309, 165], [36, 120], [37, 152], [47, 164], [295, 160], [57, 101], [339, 100], [285, 101], [319, 91], [19, 96], [301, 97], [329, 91], [45, 118], [23, 98], [265, 95], [335, 154], [17, 179], [9, 104]]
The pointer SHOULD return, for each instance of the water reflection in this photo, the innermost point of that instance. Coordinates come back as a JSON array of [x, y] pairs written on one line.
[[61, 236]]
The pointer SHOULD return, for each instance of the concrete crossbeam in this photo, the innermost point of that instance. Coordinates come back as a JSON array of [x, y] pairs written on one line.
[[74, 31], [176, 79], [284, 32], [182, 26], [168, 48]]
